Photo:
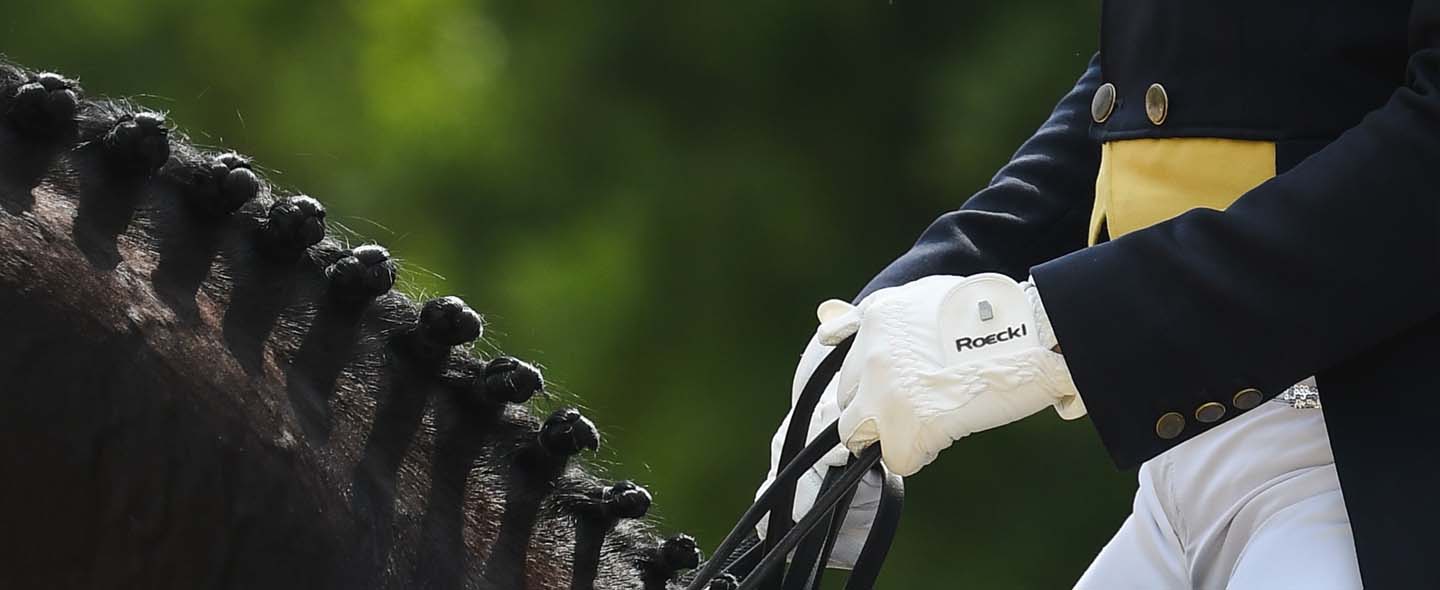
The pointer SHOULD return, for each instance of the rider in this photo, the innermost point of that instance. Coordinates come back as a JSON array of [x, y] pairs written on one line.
[[1259, 183]]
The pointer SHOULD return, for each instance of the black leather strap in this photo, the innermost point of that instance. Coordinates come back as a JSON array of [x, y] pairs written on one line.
[[808, 562], [816, 516], [749, 553], [820, 526], [882, 534], [745, 527], [799, 428]]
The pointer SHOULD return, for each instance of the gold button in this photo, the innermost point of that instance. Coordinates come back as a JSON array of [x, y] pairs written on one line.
[[1169, 425], [1247, 398], [1104, 102], [1210, 412], [1157, 104]]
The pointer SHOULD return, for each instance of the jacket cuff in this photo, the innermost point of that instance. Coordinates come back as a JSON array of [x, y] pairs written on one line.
[[1145, 385]]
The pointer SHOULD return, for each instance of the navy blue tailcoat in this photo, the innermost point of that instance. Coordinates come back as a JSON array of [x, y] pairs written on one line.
[[1331, 268]]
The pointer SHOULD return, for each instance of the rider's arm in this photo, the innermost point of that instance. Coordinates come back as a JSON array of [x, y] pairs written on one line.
[[1035, 209], [1310, 268]]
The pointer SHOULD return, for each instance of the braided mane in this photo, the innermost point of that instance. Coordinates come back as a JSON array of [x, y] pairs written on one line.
[[200, 389]]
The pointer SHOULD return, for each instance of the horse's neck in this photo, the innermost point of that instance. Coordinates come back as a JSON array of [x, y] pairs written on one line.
[[193, 393]]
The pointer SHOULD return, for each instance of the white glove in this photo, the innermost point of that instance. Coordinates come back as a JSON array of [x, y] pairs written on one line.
[[940, 358], [867, 496]]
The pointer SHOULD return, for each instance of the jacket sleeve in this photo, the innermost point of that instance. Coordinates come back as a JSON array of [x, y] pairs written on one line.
[[1036, 208], [1306, 270]]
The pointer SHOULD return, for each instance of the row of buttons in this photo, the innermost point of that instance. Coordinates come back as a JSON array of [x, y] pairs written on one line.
[[1171, 424], [1157, 103]]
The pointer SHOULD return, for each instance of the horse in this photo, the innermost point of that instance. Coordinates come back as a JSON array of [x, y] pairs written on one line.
[[202, 387]]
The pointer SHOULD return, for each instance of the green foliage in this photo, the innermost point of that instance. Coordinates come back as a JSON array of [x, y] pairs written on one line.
[[649, 198]]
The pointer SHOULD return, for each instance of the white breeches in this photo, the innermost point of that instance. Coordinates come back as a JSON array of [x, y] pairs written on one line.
[[1252, 505]]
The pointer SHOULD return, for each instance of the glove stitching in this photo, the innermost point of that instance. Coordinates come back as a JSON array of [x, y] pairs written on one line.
[[908, 365]]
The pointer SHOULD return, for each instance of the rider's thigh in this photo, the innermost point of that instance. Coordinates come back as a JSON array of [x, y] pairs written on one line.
[[1306, 546], [1144, 554]]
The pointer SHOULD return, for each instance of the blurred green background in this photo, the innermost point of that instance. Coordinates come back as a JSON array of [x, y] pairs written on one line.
[[649, 198]]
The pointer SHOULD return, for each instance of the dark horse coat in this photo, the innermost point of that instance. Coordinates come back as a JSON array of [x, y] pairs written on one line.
[[1331, 268], [199, 389]]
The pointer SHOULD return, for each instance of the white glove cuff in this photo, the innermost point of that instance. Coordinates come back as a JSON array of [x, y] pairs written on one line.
[[1042, 319], [1068, 406]]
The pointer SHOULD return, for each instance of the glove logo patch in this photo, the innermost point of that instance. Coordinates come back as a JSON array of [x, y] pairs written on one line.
[[1011, 333]]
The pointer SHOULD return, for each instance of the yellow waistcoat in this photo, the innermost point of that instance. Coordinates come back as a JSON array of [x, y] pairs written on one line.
[[1146, 181]]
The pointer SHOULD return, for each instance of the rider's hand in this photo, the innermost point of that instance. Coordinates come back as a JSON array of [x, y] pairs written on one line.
[[940, 358], [867, 496]]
